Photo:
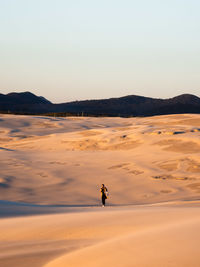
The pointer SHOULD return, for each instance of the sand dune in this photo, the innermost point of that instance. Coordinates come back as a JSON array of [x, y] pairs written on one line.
[[159, 246], [51, 170], [42, 156], [159, 235]]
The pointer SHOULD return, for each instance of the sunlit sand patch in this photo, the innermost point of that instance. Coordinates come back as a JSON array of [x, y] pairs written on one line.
[[125, 145], [46, 124], [165, 191], [196, 130], [169, 165], [186, 164], [195, 187], [154, 132], [90, 133], [5, 139], [174, 132], [125, 128], [179, 116], [190, 121], [191, 165], [194, 167], [179, 146], [102, 144], [167, 130]]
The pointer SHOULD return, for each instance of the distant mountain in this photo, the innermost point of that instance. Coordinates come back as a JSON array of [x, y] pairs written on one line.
[[23, 98], [25, 102], [28, 103]]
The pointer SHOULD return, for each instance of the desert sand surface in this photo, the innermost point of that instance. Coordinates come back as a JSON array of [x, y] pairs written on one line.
[[51, 171]]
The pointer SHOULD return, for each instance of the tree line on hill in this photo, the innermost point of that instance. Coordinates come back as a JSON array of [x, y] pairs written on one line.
[[127, 106]]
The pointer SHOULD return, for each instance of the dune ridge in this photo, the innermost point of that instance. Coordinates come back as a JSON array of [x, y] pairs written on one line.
[[92, 237]]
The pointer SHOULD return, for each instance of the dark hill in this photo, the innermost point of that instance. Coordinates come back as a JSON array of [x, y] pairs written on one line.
[[23, 98], [25, 102], [28, 103]]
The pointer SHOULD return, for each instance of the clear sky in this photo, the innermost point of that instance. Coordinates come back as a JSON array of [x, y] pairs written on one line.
[[84, 49]]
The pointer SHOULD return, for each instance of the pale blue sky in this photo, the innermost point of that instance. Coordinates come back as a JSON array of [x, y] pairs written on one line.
[[71, 50]]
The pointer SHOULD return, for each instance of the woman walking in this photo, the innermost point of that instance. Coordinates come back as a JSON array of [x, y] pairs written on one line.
[[104, 192]]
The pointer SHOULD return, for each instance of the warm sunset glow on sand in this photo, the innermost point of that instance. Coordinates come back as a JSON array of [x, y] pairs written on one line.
[[60, 163]]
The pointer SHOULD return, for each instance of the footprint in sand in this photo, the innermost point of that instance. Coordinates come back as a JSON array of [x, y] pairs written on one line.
[[78, 164], [136, 172], [119, 166], [126, 167], [42, 174], [57, 162]]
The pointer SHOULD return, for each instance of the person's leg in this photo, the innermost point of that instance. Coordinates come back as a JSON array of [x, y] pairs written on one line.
[[103, 200]]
